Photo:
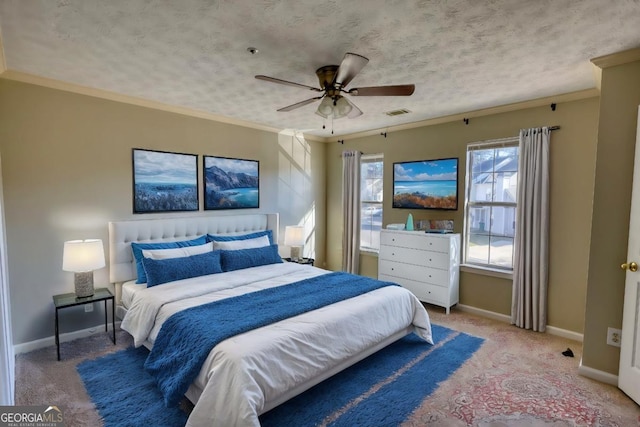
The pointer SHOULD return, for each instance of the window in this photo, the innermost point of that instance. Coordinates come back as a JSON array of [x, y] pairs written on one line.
[[492, 182], [371, 166]]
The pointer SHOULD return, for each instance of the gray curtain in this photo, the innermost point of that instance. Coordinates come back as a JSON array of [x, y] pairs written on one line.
[[531, 246], [351, 211]]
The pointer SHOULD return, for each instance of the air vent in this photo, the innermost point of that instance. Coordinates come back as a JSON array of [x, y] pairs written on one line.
[[397, 112]]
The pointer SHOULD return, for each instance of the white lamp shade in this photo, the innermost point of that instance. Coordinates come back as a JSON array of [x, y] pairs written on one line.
[[325, 109], [83, 255], [342, 108], [294, 235]]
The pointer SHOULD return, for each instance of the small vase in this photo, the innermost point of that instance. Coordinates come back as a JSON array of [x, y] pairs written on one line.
[[409, 225]]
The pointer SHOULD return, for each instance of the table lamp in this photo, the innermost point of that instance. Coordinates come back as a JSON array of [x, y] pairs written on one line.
[[294, 237], [82, 257]]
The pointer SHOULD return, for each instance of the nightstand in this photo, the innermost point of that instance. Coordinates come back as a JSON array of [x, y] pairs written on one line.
[[70, 300], [306, 261]]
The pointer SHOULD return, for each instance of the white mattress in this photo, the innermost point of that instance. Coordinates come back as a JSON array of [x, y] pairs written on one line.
[[244, 373]]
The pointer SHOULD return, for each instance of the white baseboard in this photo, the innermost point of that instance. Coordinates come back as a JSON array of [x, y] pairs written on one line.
[[551, 330], [595, 374], [485, 313], [69, 336], [571, 335]]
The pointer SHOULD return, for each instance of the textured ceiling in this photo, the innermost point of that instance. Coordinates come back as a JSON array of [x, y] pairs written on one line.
[[462, 55]]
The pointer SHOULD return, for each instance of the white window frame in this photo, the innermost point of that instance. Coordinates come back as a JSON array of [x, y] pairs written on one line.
[[371, 158], [490, 269]]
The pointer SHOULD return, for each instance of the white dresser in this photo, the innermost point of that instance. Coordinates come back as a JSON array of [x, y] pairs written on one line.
[[426, 264]]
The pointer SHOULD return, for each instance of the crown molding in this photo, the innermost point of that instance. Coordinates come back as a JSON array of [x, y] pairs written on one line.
[[618, 58], [538, 102], [113, 96]]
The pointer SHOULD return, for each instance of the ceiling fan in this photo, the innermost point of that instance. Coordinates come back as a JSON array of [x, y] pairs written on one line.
[[333, 81]]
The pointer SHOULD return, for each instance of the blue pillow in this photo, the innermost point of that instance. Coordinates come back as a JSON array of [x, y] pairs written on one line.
[[228, 238], [245, 258], [161, 271], [137, 249]]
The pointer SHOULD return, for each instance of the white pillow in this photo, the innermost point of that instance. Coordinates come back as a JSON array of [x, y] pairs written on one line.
[[234, 245], [177, 252]]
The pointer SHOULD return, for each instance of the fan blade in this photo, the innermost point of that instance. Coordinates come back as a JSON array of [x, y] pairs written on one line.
[[355, 111], [284, 82], [300, 104], [349, 68], [395, 90]]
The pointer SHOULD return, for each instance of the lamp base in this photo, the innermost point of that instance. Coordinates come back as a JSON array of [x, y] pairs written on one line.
[[295, 253], [84, 284]]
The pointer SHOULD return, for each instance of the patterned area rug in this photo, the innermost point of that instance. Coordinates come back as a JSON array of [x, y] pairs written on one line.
[[521, 378]]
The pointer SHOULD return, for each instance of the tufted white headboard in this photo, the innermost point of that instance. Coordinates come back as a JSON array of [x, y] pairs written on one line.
[[122, 233]]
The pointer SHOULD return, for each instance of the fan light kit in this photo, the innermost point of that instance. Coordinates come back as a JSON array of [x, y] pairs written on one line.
[[333, 81]]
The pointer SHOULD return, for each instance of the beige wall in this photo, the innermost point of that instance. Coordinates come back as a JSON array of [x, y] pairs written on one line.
[[572, 179], [620, 97], [66, 172]]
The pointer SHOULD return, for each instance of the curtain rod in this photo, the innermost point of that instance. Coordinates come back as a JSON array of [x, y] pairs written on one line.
[[554, 127]]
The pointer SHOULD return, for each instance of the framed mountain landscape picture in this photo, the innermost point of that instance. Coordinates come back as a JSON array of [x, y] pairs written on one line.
[[231, 183], [164, 181]]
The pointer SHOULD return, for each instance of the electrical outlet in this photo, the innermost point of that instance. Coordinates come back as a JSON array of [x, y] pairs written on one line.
[[88, 308], [614, 336]]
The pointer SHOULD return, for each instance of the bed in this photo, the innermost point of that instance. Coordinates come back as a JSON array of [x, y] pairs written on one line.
[[254, 371]]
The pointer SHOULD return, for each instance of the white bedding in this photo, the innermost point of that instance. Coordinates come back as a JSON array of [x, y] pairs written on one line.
[[244, 373], [128, 290]]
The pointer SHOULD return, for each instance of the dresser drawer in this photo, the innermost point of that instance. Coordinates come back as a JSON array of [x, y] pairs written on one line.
[[415, 240], [414, 272], [415, 256], [437, 295]]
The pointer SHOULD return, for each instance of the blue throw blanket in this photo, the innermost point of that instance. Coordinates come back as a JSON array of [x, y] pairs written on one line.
[[187, 337]]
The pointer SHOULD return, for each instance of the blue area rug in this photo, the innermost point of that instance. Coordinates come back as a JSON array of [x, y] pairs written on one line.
[[382, 390]]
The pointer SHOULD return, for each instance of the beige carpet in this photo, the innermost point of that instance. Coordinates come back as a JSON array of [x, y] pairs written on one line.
[[517, 378]]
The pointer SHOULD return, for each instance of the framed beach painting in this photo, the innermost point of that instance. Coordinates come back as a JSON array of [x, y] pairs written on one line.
[[426, 184], [164, 181], [231, 183]]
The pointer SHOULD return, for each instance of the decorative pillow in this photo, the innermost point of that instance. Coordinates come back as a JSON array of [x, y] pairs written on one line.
[[177, 252], [232, 245], [232, 237], [137, 249], [245, 258], [161, 271]]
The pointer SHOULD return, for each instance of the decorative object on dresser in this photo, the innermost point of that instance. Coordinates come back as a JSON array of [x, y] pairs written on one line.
[[426, 264], [164, 182], [409, 226], [435, 225], [231, 183], [82, 257], [294, 237]]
